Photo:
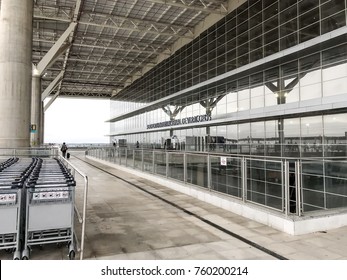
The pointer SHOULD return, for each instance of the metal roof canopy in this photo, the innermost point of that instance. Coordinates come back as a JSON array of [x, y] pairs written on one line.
[[105, 45]]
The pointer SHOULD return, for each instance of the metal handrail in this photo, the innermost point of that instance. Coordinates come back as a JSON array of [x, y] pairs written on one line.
[[83, 219]]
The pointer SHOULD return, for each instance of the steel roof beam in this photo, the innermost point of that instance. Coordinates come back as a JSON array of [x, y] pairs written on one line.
[[56, 50], [52, 100], [120, 63], [78, 8], [114, 48], [204, 9], [111, 18], [117, 27], [52, 86], [125, 44]]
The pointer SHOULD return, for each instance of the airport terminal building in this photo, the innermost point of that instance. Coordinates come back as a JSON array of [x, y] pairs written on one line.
[[261, 93], [240, 103]]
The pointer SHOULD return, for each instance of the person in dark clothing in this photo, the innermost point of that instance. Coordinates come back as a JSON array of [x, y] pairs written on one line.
[[63, 149]]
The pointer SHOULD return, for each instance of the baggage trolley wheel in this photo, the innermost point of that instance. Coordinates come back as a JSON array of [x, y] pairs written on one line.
[[16, 255], [72, 255], [25, 254]]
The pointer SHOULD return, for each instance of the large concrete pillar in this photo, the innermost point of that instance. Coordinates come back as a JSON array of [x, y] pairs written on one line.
[[16, 18], [36, 109]]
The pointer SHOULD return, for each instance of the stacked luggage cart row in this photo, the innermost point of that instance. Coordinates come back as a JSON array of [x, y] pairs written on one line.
[[36, 205]]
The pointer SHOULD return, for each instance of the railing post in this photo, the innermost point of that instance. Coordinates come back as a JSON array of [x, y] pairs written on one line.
[[298, 187], [84, 214], [142, 161], [244, 178], [167, 164], [286, 187], [209, 171], [185, 166], [134, 152]]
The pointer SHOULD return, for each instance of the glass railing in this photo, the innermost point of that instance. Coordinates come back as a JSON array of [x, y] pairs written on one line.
[[29, 152], [293, 186]]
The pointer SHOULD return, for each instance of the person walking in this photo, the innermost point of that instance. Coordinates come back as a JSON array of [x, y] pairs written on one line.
[[63, 149]]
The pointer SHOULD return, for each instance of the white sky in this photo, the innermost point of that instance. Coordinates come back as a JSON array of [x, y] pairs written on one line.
[[77, 120]]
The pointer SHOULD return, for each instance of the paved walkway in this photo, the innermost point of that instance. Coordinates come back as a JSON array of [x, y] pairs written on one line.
[[125, 222]]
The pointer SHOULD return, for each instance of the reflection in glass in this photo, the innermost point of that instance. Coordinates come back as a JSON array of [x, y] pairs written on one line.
[[197, 170]]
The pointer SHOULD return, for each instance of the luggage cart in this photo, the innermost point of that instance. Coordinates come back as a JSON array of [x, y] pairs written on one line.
[[13, 174], [50, 198]]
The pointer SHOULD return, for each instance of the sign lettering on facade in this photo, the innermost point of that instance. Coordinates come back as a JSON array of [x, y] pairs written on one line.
[[195, 119]]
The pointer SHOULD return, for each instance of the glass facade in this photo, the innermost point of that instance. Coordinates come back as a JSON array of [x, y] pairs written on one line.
[[269, 80], [315, 75]]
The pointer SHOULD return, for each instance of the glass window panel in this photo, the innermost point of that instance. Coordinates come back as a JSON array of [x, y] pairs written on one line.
[[312, 132], [256, 8], [270, 36], [243, 100], [242, 8], [289, 27], [332, 7], [256, 43], [285, 4], [309, 32], [335, 127], [334, 55], [271, 132], [257, 132], [232, 102], [231, 15], [267, 3], [243, 38], [308, 18], [270, 97], [292, 137], [230, 45], [242, 83], [272, 74], [270, 24], [221, 50], [333, 22], [290, 69], [310, 92], [231, 55], [231, 28], [288, 14], [335, 72], [256, 55], [257, 97], [221, 69], [311, 78], [242, 17], [242, 27], [244, 133], [256, 20], [231, 65], [308, 63], [257, 138], [307, 5], [232, 132], [335, 87], [293, 95], [243, 60], [256, 79], [289, 41]]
